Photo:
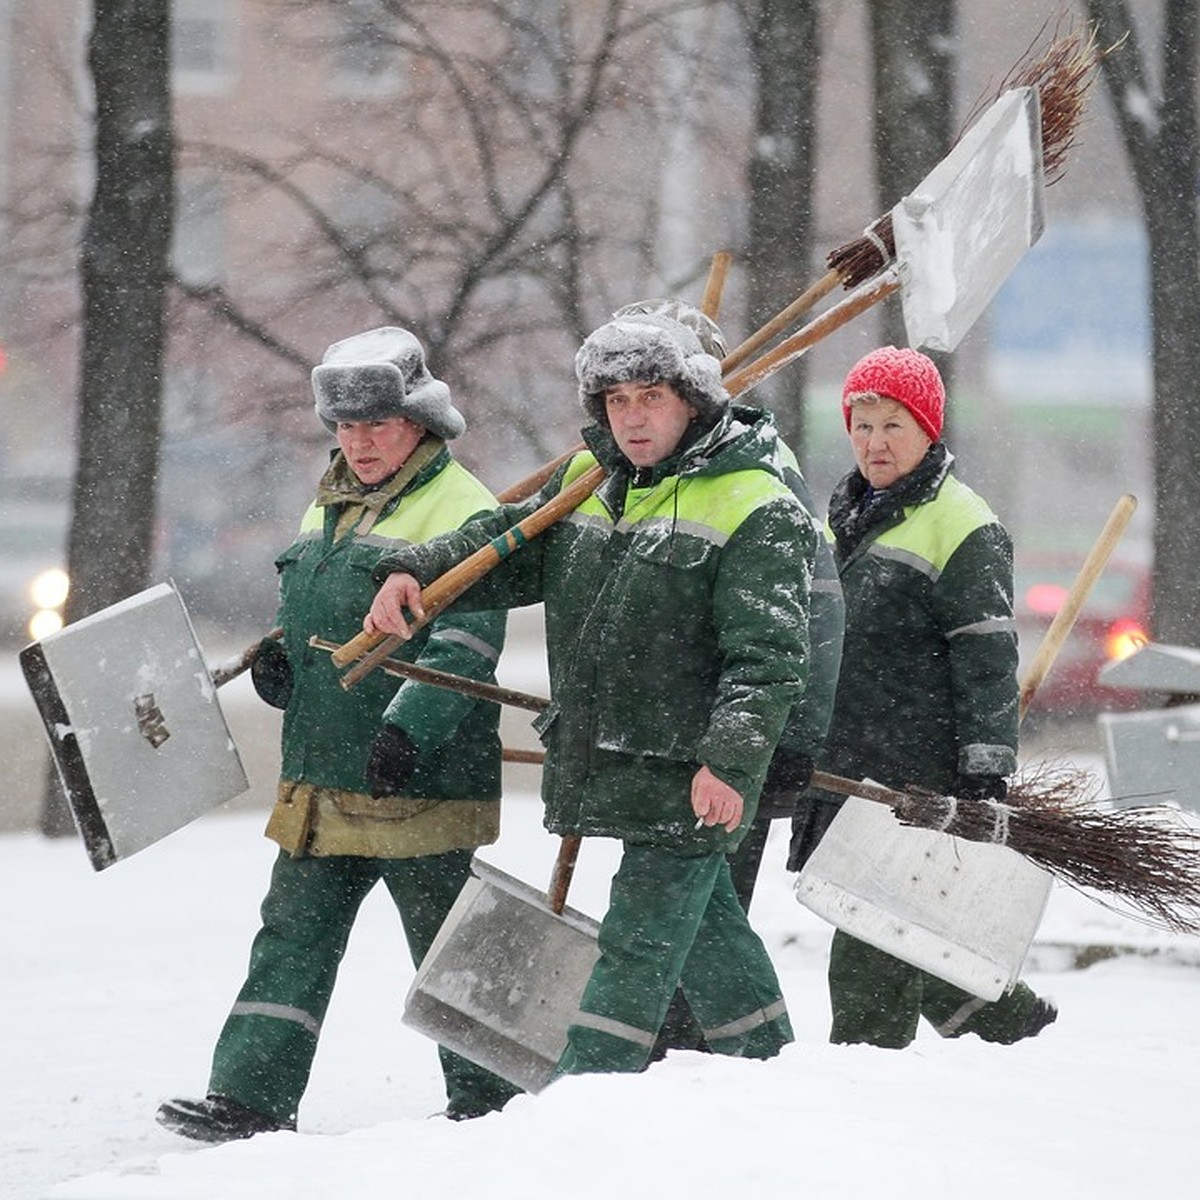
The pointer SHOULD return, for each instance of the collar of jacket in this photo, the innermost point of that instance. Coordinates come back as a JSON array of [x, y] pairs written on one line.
[[363, 505], [750, 430], [856, 511]]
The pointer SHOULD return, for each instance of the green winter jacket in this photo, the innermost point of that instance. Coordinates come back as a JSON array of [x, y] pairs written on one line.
[[809, 722], [928, 686], [676, 624], [326, 585]]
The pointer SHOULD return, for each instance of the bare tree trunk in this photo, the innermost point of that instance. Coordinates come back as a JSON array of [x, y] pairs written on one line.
[[1159, 127], [914, 52], [785, 51], [123, 263]]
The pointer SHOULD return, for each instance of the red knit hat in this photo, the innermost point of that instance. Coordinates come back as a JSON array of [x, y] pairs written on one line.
[[906, 376]]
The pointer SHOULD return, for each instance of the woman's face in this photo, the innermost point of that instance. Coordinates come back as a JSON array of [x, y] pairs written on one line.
[[887, 441], [376, 450]]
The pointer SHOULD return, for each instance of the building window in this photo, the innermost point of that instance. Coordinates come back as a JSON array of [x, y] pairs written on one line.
[[202, 40], [366, 59]]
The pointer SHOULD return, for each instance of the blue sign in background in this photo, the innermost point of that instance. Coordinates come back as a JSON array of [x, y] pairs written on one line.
[[1072, 322]]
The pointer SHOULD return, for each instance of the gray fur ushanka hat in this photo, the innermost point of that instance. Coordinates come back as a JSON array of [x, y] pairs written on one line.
[[703, 326], [649, 348], [379, 374]]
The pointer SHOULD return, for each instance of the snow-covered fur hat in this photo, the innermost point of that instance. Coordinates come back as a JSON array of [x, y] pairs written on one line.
[[380, 374], [648, 348], [702, 325], [906, 376]]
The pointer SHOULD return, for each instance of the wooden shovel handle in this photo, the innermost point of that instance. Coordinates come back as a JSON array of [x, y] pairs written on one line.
[[781, 320], [805, 338], [718, 271], [231, 668], [525, 488], [448, 587], [564, 869], [1064, 619]]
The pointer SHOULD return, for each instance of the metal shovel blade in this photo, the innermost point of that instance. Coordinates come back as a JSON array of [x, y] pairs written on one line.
[[961, 231], [137, 736], [963, 911], [502, 981]]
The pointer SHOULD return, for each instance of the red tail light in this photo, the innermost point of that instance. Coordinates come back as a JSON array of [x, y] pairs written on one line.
[[1045, 599]]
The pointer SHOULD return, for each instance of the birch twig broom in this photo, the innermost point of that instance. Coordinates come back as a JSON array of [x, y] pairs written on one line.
[[1062, 75], [1147, 856]]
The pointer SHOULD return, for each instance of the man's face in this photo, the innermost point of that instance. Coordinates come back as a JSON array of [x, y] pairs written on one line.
[[647, 420], [376, 450]]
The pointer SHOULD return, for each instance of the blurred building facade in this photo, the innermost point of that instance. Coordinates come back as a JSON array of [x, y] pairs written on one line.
[[283, 111]]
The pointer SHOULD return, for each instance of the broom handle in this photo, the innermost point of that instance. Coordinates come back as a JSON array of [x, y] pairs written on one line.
[[780, 321], [856, 787], [791, 348], [525, 488], [475, 688], [448, 587], [1064, 619]]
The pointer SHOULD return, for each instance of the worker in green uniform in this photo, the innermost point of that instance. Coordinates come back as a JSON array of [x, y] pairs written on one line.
[[384, 782], [676, 600]]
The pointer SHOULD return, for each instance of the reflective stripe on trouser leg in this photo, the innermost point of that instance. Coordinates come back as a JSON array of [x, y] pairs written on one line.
[[656, 903], [1001, 1020], [730, 982], [264, 1054], [675, 921]]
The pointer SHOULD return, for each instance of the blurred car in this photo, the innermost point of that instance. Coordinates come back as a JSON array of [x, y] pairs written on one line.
[[33, 544], [1113, 623]]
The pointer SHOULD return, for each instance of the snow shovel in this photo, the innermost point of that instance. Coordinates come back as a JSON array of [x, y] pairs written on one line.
[[503, 979], [958, 236], [131, 715], [964, 911]]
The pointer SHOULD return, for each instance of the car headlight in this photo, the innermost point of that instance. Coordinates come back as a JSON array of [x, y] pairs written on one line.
[[1124, 637], [50, 588], [48, 591]]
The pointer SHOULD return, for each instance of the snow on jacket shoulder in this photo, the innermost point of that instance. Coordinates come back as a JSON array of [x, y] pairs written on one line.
[[326, 585], [677, 629]]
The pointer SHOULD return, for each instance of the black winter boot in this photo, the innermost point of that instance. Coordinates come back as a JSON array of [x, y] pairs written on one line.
[[1042, 1013], [216, 1119]]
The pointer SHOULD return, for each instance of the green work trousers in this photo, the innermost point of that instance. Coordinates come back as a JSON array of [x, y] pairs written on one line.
[[265, 1051], [675, 922], [879, 999]]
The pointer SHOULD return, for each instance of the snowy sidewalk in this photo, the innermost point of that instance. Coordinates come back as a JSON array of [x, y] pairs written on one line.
[[115, 985]]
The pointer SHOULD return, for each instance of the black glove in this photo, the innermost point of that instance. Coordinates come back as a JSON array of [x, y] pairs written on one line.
[[392, 760], [271, 673], [981, 787]]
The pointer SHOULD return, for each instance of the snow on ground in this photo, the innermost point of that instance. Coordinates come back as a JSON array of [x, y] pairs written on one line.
[[115, 985]]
